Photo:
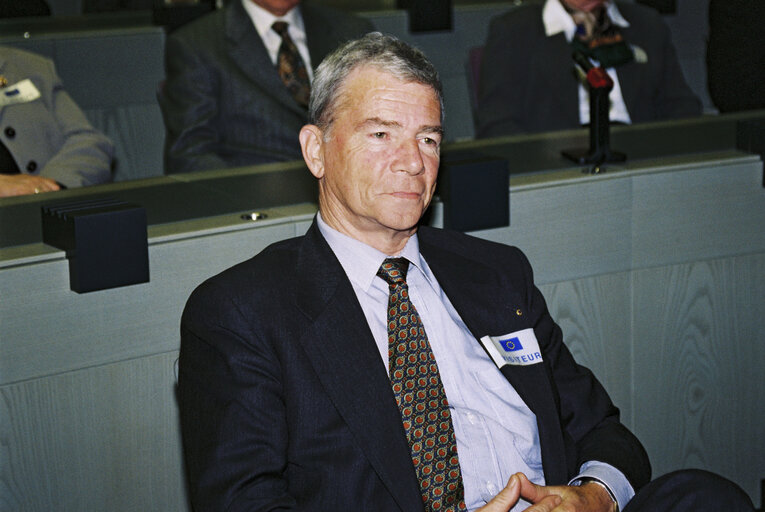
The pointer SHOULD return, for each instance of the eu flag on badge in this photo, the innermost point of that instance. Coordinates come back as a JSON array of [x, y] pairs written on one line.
[[511, 344]]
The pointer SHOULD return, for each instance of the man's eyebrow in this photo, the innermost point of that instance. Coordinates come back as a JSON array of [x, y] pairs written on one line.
[[436, 128], [377, 121]]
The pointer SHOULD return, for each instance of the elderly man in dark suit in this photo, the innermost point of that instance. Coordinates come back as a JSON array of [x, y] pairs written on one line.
[[224, 102], [528, 81], [371, 365]]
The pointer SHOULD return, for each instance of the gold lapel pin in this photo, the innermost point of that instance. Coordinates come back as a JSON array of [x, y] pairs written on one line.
[[3, 81]]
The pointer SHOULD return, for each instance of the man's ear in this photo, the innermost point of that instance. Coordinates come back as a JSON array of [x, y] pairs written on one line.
[[312, 144]]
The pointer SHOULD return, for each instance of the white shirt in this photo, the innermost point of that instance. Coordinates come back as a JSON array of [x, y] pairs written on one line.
[[496, 432], [556, 20], [262, 19]]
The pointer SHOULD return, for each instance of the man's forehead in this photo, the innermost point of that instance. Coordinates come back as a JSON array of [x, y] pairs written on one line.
[[370, 72], [367, 80]]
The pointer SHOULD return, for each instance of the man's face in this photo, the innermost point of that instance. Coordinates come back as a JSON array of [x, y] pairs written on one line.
[[277, 7], [584, 5], [380, 157]]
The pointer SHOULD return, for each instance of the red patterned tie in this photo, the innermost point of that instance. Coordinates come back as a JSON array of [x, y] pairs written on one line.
[[420, 397], [291, 67]]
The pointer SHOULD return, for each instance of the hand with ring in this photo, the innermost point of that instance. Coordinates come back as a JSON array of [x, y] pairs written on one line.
[[22, 184]]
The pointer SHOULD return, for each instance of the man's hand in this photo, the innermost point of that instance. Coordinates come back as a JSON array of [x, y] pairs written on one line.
[[508, 497], [21, 184], [589, 497]]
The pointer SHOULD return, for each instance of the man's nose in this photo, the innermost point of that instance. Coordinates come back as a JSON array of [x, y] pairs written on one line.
[[409, 158]]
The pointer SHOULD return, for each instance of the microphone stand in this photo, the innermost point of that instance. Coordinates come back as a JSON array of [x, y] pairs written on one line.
[[599, 85]]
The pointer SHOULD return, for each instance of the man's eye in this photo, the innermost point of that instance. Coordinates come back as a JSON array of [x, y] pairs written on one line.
[[379, 135]]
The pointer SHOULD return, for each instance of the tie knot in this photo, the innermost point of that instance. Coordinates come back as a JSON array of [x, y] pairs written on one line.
[[280, 27], [393, 270]]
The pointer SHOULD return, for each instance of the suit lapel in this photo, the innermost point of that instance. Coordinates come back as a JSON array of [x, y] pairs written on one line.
[[318, 33], [488, 309], [248, 52], [350, 369], [631, 76], [485, 308], [562, 82], [354, 377]]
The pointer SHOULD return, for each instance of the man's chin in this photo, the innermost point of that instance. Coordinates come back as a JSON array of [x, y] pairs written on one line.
[[404, 224]]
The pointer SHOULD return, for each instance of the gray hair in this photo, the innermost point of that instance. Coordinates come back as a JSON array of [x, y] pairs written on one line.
[[384, 52]]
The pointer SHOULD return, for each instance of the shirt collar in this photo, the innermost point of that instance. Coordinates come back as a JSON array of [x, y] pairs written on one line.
[[361, 261], [556, 19], [262, 19]]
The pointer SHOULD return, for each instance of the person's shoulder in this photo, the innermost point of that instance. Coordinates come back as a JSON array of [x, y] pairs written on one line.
[[257, 277], [469, 246], [22, 64], [204, 28], [640, 14], [517, 26], [23, 57], [522, 16], [266, 266]]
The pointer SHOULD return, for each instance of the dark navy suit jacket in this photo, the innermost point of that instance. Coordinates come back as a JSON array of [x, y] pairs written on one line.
[[286, 404]]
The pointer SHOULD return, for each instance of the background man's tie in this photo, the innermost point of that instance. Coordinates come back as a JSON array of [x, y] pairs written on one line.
[[599, 38], [420, 396], [291, 67]]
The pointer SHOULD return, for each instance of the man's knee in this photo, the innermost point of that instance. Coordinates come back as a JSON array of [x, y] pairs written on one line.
[[691, 490]]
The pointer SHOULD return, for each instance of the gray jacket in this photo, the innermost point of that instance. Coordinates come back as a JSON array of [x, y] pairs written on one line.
[[50, 136]]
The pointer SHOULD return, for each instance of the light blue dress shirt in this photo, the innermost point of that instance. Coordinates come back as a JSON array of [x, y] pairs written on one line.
[[496, 432]]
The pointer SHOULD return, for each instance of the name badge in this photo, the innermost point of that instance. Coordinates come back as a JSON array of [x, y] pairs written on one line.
[[518, 348], [21, 92]]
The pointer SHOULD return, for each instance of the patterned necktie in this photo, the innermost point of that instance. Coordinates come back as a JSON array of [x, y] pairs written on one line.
[[420, 396], [291, 67]]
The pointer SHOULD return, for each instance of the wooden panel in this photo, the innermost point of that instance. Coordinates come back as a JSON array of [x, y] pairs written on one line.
[[699, 213], [124, 66], [138, 134], [74, 331], [65, 7], [45, 47], [98, 439], [591, 313], [571, 231], [699, 352]]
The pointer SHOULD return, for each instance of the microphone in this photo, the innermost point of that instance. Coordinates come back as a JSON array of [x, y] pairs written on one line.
[[597, 78], [600, 85]]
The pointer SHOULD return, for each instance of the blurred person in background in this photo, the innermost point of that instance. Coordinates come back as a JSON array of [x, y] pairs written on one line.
[[46, 142], [528, 81]]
